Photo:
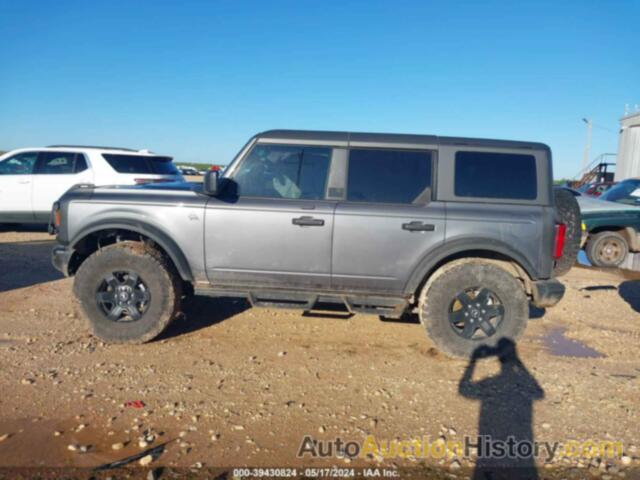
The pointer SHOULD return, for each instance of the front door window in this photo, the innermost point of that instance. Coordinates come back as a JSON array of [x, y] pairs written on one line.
[[19, 164], [283, 171]]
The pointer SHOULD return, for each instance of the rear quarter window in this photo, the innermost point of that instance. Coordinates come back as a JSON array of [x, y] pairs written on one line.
[[141, 164], [495, 175]]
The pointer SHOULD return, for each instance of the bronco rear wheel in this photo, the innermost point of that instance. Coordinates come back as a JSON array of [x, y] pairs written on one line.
[[128, 292], [472, 304]]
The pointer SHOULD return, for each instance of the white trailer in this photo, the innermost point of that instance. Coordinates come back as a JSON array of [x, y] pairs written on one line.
[[628, 159]]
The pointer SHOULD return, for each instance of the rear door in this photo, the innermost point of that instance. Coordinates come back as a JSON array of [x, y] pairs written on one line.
[[272, 226], [388, 220], [54, 174], [16, 176]]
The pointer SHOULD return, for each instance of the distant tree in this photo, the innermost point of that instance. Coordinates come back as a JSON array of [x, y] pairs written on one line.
[[562, 181]]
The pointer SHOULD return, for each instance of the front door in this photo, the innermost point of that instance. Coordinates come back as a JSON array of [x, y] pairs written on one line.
[[15, 187], [271, 226], [388, 221]]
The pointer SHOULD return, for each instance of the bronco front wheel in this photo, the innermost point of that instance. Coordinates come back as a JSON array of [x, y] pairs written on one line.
[[472, 304], [128, 292]]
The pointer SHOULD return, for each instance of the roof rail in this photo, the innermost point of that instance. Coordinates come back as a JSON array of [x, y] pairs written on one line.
[[92, 146]]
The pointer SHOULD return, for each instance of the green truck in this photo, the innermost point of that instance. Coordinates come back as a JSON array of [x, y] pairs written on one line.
[[611, 224]]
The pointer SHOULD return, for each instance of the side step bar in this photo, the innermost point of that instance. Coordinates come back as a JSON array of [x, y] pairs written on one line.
[[279, 300], [392, 307], [389, 307]]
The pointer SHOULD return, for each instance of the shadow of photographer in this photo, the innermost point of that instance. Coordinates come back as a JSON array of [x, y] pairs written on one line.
[[506, 413]]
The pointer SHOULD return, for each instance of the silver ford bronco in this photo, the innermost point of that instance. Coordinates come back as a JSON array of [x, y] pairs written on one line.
[[464, 232]]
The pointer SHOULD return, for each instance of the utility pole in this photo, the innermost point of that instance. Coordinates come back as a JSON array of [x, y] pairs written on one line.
[[587, 145]]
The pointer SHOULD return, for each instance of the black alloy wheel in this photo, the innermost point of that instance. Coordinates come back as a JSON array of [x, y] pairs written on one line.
[[476, 313], [123, 297]]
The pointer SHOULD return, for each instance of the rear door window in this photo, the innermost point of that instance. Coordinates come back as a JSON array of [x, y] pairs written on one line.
[[495, 175], [389, 176], [55, 163], [141, 164]]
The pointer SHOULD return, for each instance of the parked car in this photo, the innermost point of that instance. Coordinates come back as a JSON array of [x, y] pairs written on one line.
[[186, 170], [609, 236], [369, 221], [610, 230], [596, 189], [626, 192], [612, 224], [31, 179]]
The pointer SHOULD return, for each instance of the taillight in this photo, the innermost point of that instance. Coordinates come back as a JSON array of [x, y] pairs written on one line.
[[54, 219], [558, 245], [57, 218]]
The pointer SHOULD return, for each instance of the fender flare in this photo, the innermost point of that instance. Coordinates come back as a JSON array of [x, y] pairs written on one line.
[[449, 248], [154, 233]]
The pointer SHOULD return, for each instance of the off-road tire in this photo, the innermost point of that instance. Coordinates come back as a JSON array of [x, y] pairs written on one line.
[[441, 290], [160, 276], [594, 246], [569, 213]]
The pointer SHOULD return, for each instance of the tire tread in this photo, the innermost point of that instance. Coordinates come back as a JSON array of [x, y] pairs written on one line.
[[434, 300], [156, 260]]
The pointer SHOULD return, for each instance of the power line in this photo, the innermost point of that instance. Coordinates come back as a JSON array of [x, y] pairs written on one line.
[[603, 128]]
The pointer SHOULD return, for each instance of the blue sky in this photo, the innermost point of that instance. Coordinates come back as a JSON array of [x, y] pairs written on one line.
[[195, 79]]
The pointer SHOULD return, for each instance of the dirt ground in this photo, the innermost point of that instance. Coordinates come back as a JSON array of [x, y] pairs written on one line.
[[229, 386]]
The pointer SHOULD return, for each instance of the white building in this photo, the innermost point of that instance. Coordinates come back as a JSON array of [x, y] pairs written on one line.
[[628, 159]]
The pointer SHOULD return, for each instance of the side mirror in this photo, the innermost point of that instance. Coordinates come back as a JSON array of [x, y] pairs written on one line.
[[211, 182]]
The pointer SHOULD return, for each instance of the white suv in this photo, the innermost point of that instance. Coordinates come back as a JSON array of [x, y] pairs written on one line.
[[32, 179]]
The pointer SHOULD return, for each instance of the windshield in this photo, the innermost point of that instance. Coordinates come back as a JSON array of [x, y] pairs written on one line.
[[625, 192]]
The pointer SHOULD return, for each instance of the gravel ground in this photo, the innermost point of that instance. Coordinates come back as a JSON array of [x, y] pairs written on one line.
[[229, 386]]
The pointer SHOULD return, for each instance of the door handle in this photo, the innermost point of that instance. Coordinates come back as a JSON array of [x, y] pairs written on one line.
[[24, 182], [418, 227], [307, 222]]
